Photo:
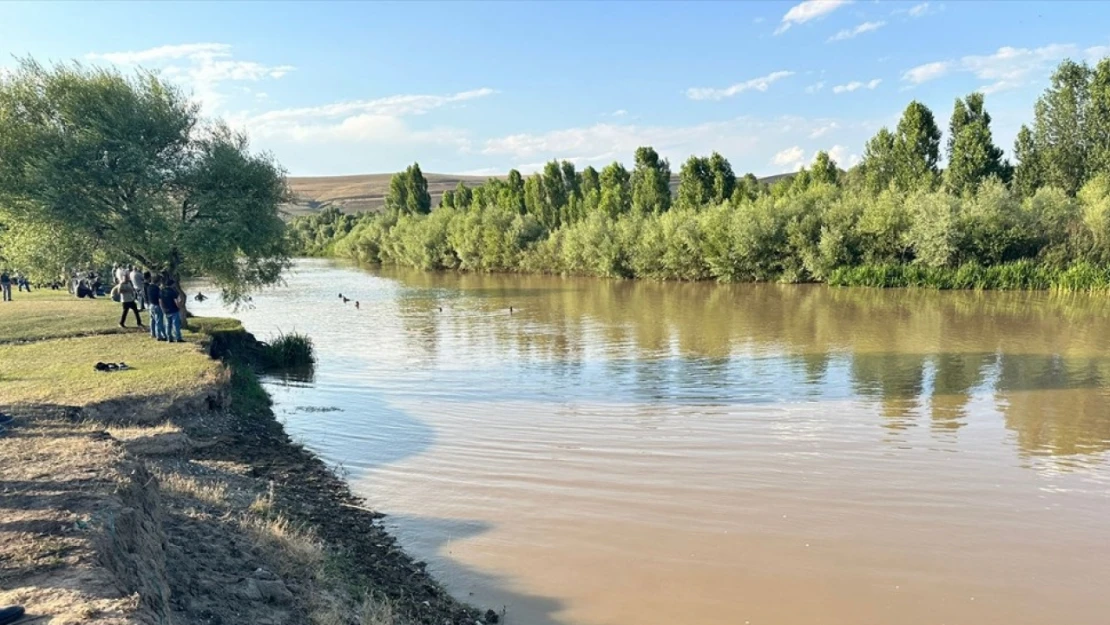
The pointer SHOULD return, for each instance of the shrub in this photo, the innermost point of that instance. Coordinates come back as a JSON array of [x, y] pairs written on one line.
[[290, 351]]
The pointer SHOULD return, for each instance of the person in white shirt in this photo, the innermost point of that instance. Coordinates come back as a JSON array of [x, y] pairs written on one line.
[[139, 283]]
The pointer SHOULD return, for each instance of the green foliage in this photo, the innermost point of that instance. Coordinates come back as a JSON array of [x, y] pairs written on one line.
[[408, 192], [616, 190], [1069, 142], [1020, 275], [1029, 172], [290, 351], [824, 169], [1059, 131], [93, 160], [1094, 200], [747, 189], [916, 148], [879, 163], [1097, 119], [885, 223], [695, 183], [704, 181], [724, 180], [314, 235], [972, 155], [651, 182]]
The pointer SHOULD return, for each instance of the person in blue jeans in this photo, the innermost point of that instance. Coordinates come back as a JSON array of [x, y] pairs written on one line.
[[169, 300], [157, 317]]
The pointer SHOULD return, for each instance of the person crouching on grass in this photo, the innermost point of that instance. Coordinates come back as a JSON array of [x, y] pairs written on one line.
[[125, 293]]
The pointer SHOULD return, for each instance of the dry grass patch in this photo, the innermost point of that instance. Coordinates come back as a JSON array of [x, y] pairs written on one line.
[[335, 610], [298, 551], [211, 492]]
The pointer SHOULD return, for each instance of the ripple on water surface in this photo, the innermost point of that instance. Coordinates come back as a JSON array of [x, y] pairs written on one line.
[[641, 453]]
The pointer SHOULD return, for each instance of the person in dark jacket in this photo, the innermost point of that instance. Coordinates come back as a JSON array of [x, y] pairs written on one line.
[[171, 308], [157, 317]]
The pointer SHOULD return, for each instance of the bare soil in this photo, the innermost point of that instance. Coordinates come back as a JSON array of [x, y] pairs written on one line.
[[200, 511]]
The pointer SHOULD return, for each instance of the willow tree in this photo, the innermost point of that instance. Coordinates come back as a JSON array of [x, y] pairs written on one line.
[[125, 166]]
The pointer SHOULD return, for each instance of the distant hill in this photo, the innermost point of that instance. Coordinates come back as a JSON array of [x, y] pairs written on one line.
[[366, 192]]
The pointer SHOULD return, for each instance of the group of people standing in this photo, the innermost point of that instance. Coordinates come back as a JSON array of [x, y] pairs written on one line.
[[137, 291], [6, 282]]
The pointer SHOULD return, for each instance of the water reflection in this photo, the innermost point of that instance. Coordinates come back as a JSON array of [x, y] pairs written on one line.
[[637, 452], [913, 353]]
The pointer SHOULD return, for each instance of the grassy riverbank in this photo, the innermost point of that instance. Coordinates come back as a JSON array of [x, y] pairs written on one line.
[[169, 493]]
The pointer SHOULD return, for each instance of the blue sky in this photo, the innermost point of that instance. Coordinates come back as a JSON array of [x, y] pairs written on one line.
[[349, 87]]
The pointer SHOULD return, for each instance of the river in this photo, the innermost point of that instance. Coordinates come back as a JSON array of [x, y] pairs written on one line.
[[640, 453]]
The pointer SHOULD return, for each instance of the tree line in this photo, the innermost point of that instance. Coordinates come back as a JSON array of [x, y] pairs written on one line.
[[894, 219]]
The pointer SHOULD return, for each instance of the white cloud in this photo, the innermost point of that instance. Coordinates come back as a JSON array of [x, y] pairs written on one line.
[[856, 85], [815, 87], [791, 157], [484, 171], [610, 141], [758, 84], [919, 10], [849, 33], [926, 72], [1007, 68], [821, 131], [808, 10], [1097, 53], [377, 120], [163, 53], [619, 113], [748, 142], [843, 158], [393, 106], [199, 67]]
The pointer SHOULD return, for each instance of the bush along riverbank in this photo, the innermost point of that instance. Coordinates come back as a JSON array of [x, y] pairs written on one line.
[[895, 219], [168, 492]]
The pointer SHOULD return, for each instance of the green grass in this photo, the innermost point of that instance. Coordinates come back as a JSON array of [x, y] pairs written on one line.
[[60, 371], [45, 314], [289, 351], [50, 341], [1020, 275]]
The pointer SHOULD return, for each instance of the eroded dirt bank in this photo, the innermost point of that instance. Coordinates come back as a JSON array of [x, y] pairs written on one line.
[[194, 509]]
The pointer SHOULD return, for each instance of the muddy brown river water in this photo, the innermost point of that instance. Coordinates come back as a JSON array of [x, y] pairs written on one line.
[[638, 453]]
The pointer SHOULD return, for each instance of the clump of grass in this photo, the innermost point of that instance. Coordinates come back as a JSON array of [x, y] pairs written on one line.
[[212, 493], [375, 611], [263, 505], [297, 551], [291, 351]]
